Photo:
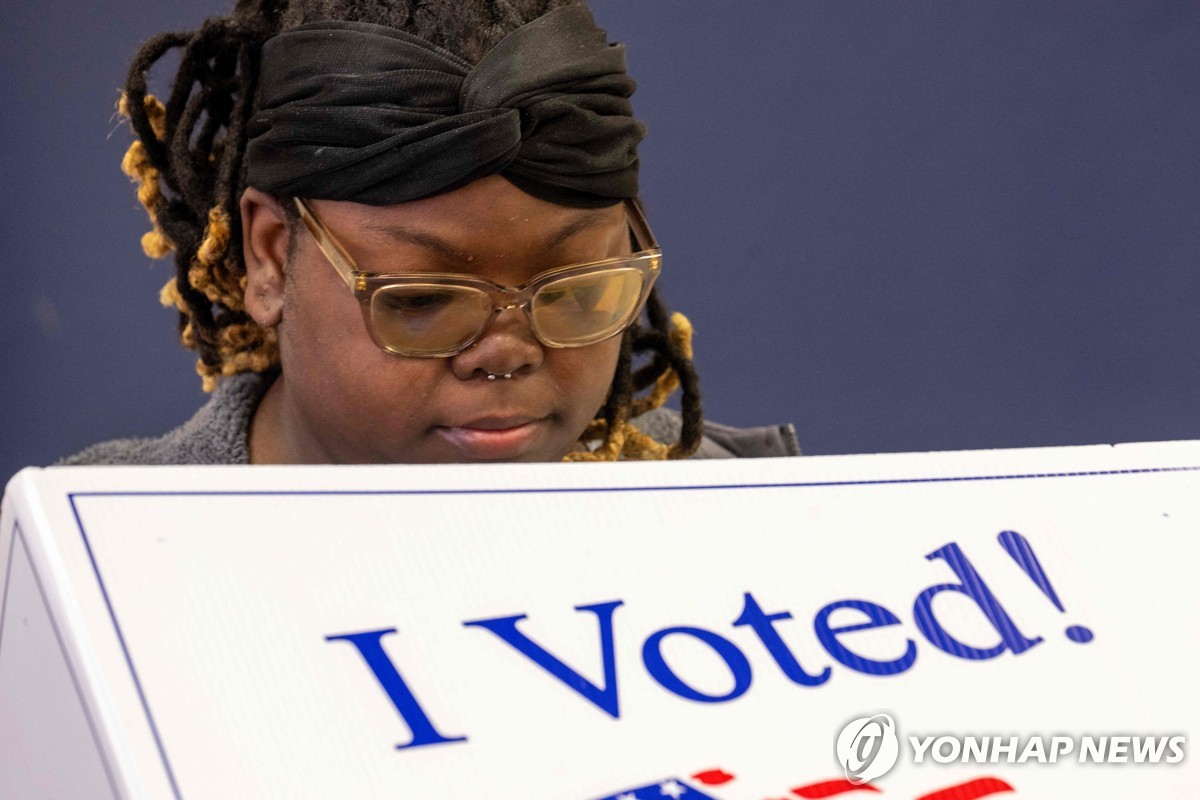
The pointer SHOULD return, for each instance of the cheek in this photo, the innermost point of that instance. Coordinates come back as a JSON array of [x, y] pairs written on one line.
[[322, 323], [586, 375], [354, 397]]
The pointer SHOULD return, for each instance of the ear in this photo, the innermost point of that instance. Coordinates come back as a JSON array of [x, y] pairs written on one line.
[[265, 240]]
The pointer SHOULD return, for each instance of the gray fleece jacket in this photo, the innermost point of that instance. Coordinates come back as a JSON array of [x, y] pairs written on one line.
[[218, 434]]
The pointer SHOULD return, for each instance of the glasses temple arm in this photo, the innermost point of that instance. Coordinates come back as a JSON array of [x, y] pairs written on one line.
[[639, 225], [328, 245]]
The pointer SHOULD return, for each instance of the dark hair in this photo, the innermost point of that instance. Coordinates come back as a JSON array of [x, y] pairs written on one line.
[[189, 166]]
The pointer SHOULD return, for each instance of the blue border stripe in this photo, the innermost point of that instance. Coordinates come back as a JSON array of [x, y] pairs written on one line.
[[561, 490], [594, 489]]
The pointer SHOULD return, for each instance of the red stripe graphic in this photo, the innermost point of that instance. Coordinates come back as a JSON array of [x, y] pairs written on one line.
[[980, 787], [713, 777], [830, 788]]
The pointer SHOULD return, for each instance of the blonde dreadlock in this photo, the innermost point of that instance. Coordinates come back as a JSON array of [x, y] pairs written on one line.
[[619, 438]]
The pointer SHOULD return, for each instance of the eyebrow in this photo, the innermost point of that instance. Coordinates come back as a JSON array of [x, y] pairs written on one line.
[[430, 241]]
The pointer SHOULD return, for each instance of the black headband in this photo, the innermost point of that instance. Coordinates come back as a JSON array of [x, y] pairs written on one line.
[[362, 112]]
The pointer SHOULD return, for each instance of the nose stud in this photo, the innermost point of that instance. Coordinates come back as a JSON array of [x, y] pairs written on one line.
[[491, 376]]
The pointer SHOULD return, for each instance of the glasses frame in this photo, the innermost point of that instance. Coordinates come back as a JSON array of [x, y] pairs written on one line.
[[646, 259]]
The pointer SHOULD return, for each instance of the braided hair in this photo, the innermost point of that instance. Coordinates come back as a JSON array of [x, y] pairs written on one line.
[[188, 163]]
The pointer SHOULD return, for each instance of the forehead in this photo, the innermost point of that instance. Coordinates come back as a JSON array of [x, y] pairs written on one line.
[[488, 215]]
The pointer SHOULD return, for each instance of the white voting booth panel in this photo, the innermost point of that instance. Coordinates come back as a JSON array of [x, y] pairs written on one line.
[[579, 632]]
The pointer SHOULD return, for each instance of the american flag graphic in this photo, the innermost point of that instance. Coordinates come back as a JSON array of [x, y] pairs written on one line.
[[679, 789], [669, 789]]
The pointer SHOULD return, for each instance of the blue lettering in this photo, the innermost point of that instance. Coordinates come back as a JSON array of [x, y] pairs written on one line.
[[370, 648], [877, 617], [603, 697], [762, 624], [972, 586], [727, 650]]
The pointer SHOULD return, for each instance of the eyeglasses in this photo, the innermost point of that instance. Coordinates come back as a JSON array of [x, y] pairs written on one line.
[[435, 315]]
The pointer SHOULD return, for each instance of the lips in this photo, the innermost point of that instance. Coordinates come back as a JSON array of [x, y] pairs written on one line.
[[496, 423], [494, 438]]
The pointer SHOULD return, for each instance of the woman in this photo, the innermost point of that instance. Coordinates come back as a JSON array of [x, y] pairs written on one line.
[[409, 232]]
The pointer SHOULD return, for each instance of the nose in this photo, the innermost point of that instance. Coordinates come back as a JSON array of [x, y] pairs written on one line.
[[507, 347]]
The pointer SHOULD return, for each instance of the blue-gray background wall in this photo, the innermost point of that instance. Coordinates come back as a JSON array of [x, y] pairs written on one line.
[[904, 226]]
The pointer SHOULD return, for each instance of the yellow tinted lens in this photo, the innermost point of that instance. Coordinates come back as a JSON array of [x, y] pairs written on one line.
[[586, 308], [425, 319]]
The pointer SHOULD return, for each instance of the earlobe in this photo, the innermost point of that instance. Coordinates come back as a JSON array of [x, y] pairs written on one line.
[[265, 241]]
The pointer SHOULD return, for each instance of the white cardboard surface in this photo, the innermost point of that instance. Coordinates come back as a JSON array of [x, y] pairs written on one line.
[[193, 610]]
